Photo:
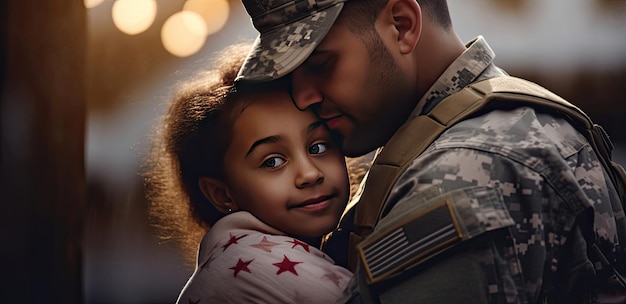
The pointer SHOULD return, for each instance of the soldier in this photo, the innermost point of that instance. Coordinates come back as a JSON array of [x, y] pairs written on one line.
[[508, 206]]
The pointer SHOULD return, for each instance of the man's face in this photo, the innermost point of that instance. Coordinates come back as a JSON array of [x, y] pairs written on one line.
[[357, 87]]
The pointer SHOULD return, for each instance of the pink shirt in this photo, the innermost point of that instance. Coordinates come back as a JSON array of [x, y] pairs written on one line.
[[243, 260]]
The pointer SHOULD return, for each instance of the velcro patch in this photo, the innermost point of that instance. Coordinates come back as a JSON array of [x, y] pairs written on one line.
[[418, 236], [427, 223]]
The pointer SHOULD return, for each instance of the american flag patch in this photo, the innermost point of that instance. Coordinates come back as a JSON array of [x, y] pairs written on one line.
[[410, 242]]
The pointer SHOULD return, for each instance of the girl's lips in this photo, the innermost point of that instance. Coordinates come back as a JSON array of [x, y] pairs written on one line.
[[315, 203], [317, 206]]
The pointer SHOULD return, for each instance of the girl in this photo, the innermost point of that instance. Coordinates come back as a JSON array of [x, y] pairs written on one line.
[[265, 177]]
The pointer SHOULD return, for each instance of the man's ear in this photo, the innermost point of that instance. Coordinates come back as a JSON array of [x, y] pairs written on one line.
[[407, 19], [217, 193]]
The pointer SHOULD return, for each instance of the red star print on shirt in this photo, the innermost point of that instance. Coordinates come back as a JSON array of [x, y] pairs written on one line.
[[241, 266], [297, 242], [332, 276], [265, 245], [286, 265], [233, 240]]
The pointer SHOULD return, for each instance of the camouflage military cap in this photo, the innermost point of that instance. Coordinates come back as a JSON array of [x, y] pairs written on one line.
[[289, 30]]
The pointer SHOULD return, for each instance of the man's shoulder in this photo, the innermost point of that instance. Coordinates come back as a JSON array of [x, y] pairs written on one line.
[[519, 133], [496, 147]]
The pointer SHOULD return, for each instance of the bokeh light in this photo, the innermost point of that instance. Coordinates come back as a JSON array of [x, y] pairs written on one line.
[[184, 33], [214, 12], [134, 16], [92, 3]]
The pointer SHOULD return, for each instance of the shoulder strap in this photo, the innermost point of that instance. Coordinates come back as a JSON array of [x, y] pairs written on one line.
[[418, 133]]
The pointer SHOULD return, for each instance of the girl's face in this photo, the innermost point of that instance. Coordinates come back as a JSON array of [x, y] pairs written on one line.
[[282, 166]]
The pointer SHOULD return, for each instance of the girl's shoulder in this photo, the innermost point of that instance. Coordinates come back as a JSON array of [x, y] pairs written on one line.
[[236, 262], [243, 234]]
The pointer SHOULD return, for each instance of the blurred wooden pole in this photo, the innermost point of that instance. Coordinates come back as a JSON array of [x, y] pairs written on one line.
[[42, 128]]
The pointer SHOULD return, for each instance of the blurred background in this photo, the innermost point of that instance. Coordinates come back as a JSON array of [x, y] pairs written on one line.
[[85, 81]]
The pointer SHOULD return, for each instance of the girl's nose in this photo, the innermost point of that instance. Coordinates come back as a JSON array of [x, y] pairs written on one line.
[[308, 175]]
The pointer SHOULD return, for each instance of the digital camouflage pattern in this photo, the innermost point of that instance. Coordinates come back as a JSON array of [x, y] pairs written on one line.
[[289, 31], [544, 170], [428, 221]]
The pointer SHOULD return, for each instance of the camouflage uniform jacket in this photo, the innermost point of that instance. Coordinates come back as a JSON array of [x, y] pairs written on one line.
[[536, 168]]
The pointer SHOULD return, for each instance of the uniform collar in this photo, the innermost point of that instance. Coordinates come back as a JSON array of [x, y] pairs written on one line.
[[475, 63]]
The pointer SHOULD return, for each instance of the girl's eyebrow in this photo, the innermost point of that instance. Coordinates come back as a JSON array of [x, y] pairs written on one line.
[[276, 138], [266, 140]]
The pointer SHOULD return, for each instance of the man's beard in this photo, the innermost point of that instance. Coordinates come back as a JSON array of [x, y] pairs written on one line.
[[383, 75]]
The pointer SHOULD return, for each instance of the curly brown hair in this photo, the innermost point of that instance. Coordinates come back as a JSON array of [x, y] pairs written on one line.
[[189, 143]]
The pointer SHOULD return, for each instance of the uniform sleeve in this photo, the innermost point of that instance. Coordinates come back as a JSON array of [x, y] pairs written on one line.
[[262, 268], [499, 242]]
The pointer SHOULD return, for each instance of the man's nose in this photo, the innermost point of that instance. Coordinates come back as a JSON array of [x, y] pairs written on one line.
[[304, 91]]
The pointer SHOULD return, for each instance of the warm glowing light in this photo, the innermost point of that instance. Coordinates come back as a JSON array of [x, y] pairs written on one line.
[[92, 3], [214, 12], [184, 33], [134, 16]]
